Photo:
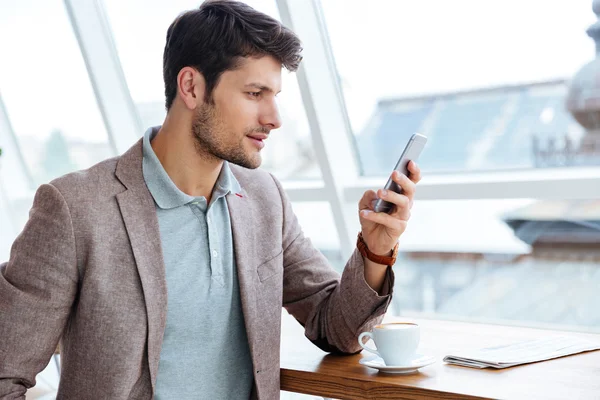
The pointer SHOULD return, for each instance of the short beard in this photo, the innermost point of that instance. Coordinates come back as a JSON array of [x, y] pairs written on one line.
[[210, 139]]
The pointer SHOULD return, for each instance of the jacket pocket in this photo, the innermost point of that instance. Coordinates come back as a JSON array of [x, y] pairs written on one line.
[[271, 267]]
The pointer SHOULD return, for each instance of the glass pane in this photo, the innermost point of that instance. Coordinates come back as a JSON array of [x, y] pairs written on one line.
[[50, 107], [140, 40], [487, 97], [47, 92], [516, 262]]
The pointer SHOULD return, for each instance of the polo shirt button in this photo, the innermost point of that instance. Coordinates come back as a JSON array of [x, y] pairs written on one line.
[[215, 253]]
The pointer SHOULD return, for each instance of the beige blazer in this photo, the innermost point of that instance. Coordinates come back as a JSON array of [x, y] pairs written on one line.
[[88, 270]]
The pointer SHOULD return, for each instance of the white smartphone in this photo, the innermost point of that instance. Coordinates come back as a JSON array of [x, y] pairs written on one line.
[[411, 153]]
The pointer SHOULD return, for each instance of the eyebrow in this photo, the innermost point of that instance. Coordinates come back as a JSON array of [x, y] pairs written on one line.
[[261, 87]]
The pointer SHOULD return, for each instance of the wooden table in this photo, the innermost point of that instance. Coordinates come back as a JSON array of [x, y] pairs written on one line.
[[306, 369]]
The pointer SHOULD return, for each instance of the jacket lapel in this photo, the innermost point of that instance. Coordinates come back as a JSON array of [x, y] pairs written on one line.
[[244, 245], [139, 214]]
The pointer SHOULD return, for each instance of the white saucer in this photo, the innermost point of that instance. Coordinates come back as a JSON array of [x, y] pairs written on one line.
[[419, 361]]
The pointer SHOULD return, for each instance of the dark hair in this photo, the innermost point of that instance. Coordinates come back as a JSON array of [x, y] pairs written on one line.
[[215, 36]]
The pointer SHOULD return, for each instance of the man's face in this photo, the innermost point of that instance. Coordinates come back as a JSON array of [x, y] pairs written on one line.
[[244, 111]]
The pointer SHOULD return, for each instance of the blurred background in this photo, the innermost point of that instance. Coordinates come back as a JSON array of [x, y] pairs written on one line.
[[506, 227]]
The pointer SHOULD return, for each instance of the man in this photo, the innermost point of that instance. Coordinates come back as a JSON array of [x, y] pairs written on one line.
[[163, 271]]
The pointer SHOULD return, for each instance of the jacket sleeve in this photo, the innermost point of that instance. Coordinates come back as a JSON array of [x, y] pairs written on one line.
[[37, 289], [334, 310]]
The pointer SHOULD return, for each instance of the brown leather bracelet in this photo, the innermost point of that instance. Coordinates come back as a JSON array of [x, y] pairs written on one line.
[[383, 260]]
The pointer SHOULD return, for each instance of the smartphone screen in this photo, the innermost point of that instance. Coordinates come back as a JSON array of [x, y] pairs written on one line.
[[411, 153]]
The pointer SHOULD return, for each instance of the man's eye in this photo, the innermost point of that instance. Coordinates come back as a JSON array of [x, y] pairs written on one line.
[[254, 94]]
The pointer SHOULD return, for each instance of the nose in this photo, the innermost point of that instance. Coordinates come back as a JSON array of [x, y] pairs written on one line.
[[270, 116]]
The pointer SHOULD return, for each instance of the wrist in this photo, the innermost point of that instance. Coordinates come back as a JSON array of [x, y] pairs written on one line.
[[382, 257]]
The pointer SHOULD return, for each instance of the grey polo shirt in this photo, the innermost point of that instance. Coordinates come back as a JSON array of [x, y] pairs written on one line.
[[205, 352]]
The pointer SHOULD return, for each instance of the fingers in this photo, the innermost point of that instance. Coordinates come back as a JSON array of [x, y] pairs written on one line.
[[415, 172], [407, 185], [372, 204], [368, 200], [395, 224], [403, 203]]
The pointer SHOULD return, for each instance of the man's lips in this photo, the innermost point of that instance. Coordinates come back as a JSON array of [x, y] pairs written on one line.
[[259, 136], [258, 139]]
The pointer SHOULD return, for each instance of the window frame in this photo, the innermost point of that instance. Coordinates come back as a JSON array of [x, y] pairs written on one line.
[[332, 137]]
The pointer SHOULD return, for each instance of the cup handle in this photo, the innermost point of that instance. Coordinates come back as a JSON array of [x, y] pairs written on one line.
[[360, 341]]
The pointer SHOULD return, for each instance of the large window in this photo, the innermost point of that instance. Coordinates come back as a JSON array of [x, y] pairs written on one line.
[[490, 91], [489, 97], [51, 124], [46, 90], [460, 72], [520, 261], [289, 153]]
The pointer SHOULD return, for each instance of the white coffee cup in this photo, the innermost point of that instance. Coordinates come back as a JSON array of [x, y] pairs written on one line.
[[396, 342]]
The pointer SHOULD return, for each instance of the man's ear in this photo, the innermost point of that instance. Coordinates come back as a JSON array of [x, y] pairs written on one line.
[[190, 87]]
